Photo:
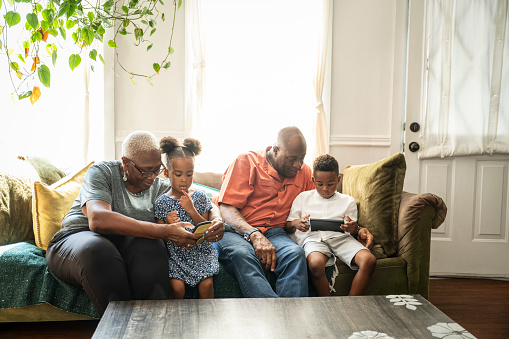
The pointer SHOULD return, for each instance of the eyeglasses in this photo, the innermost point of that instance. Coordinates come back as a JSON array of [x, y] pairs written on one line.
[[147, 174]]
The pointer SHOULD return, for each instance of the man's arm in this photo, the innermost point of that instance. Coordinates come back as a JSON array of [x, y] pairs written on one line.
[[264, 249]]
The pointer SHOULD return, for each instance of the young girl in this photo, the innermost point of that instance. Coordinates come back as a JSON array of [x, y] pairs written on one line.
[[197, 265]]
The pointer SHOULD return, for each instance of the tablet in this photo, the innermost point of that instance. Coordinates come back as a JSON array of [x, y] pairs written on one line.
[[326, 225]]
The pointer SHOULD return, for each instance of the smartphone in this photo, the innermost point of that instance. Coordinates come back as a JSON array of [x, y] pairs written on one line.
[[202, 227]]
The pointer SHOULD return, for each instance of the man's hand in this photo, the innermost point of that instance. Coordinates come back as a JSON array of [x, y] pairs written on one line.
[[365, 237], [264, 250]]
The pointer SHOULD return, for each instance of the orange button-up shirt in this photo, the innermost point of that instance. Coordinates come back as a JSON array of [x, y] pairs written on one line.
[[253, 186]]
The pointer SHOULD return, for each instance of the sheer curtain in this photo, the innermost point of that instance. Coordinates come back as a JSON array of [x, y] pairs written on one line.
[[467, 108], [254, 67]]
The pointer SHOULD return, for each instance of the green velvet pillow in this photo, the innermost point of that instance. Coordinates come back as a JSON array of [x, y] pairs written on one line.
[[16, 181], [377, 190], [48, 173]]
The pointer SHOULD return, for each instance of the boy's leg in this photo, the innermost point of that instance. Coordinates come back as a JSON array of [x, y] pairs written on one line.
[[239, 259], [367, 263], [206, 288], [316, 265], [177, 289]]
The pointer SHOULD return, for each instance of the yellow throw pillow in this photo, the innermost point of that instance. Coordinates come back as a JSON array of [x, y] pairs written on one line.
[[50, 204]]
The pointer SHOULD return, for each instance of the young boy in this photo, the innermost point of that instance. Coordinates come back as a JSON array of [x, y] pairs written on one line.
[[322, 247]]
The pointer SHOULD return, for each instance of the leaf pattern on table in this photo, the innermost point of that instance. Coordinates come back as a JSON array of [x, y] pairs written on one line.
[[369, 334], [403, 299], [449, 331]]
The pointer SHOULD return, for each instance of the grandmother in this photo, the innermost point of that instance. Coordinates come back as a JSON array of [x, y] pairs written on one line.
[[110, 243]]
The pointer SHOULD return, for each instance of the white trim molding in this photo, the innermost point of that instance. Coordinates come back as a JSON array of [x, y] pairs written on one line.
[[361, 141], [120, 135]]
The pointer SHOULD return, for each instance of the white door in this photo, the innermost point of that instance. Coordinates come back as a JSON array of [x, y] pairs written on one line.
[[473, 241]]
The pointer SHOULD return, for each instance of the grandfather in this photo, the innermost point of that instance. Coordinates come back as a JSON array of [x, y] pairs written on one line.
[[256, 196]]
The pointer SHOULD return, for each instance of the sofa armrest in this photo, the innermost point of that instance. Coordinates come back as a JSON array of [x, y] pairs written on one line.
[[418, 214]]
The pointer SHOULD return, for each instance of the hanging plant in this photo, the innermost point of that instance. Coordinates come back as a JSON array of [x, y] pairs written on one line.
[[32, 31]]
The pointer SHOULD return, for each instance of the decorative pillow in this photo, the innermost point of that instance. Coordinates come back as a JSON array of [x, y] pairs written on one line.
[[48, 173], [16, 181], [377, 190], [50, 204]]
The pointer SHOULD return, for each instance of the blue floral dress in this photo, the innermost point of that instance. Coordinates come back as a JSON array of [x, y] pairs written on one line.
[[198, 263]]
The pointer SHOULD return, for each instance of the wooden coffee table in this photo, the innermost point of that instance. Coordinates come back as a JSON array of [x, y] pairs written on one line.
[[396, 316]]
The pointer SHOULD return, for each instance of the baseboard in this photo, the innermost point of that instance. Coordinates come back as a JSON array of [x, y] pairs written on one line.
[[467, 276]]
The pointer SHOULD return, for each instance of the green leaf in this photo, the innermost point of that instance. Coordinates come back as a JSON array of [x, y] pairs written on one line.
[[69, 24], [12, 18], [171, 50], [25, 95], [149, 80], [144, 22], [101, 30], [122, 31], [180, 4], [112, 43], [74, 61], [54, 58], [37, 36], [20, 57], [125, 23], [26, 44], [136, 12], [11, 2], [132, 81], [44, 25], [102, 60], [138, 33], [125, 9], [14, 66], [152, 23], [62, 33], [91, 17], [53, 32], [108, 5], [93, 54], [44, 75], [153, 31], [156, 67], [167, 65], [162, 3], [88, 35], [38, 7], [75, 37], [92, 67], [163, 17], [149, 47]]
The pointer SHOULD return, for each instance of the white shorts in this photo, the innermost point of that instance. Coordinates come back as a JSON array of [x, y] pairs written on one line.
[[343, 246]]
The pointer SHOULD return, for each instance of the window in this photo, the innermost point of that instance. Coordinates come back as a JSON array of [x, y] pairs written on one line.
[[251, 71], [57, 127], [467, 99]]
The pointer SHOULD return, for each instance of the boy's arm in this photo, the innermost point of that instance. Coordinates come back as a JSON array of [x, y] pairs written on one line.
[[301, 224]]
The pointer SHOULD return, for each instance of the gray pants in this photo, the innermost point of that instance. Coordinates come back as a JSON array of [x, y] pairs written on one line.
[[111, 267]]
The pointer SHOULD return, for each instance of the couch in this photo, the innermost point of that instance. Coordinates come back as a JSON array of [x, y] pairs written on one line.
[[400, 221]]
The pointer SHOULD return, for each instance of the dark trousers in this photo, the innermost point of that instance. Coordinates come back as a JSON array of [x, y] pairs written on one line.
[[111, 267]]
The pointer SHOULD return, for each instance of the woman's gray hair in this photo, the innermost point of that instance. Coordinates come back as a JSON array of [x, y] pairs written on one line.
[[139, 141]]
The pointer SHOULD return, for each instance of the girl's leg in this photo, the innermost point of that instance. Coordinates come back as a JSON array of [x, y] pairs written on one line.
[[316, 265], [206, 288], [177, 289], [367, 263]]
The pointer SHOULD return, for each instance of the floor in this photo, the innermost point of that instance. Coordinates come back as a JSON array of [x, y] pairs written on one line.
[[481, 306]]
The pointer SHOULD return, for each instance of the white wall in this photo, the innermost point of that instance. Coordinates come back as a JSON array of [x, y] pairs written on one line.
[[367, 83]]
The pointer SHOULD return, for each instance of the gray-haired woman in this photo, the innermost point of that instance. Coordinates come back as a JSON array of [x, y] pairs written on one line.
[[110, 243]]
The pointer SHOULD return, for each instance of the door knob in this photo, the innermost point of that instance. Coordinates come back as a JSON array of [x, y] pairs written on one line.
[[414, 147], [414, 126]]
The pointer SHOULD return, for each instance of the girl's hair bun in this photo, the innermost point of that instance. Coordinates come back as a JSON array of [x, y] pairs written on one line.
[[168, 144], [193, 145]]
